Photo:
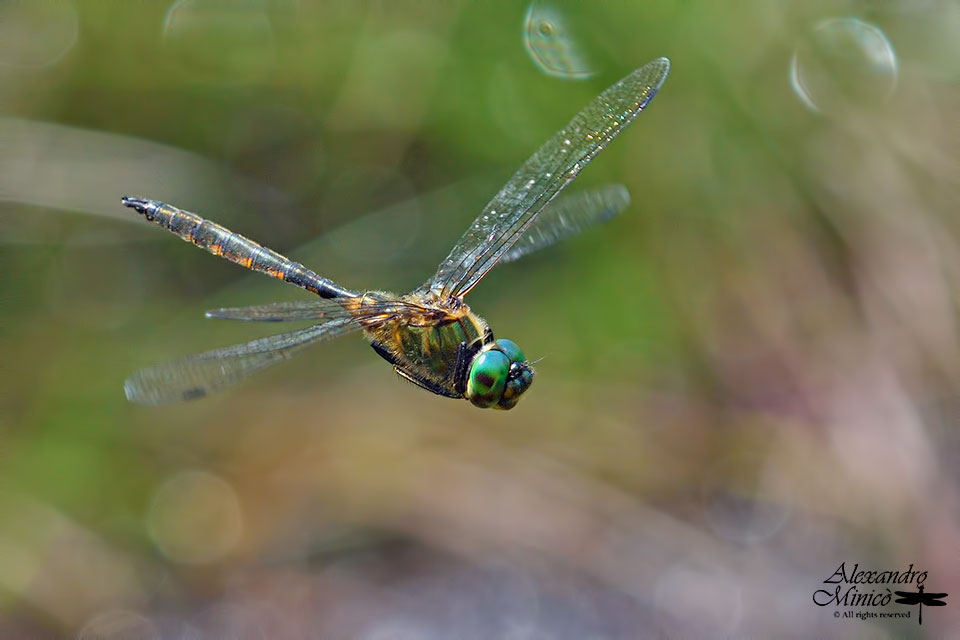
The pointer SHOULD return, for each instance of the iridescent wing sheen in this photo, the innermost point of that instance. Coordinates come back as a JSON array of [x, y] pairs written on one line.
[[508, 216], [199, 375], [569, 215]]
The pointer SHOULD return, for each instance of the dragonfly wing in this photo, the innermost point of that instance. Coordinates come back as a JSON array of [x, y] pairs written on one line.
[[569, 215], [507, 217], [201, 374], [301, 310]]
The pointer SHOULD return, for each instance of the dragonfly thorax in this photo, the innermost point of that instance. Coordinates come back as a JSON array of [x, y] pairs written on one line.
[[499, 374]]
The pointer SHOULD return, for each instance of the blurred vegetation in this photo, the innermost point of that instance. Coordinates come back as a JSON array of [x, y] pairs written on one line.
[[749, 376]]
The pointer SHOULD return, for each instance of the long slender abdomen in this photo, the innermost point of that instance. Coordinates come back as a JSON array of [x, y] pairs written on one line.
[[220, 241]]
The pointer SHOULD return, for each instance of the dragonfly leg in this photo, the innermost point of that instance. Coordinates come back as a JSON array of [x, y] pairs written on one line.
[[461, 369], [384, 353], [488, 336], [426, 384], [432, 387]]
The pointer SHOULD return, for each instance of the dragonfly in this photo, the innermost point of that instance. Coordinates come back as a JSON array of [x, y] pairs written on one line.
[[918, 597], [430, 335]]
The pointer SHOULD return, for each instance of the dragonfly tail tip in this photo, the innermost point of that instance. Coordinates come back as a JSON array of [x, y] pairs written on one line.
[[139, 204]]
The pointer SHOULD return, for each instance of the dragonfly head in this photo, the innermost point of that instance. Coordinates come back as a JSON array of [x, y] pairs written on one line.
[[498, 376]]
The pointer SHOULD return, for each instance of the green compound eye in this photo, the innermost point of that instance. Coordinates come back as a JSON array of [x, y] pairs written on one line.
[[488, 376], [510, 348], [519, 380]]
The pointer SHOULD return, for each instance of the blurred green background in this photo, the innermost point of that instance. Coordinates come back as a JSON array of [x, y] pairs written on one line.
[[749, 377]]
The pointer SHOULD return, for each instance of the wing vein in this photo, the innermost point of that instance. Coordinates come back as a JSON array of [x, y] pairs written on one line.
[[512, 211]]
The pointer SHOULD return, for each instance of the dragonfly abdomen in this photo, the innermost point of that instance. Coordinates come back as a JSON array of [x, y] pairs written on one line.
[[236, 248]]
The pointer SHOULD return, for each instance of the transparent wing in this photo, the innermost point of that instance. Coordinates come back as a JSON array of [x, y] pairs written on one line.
[[199, 375], [569, 215], [299, 311], [505, 219]]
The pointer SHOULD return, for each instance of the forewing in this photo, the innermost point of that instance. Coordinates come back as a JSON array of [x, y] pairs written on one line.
[[204, 373], [298, 311], [365, 309], [569, 215], [505, 219]]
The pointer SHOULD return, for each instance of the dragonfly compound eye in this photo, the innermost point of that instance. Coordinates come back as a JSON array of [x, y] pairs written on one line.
[[518, 381], [512, 351], [488, 377]]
